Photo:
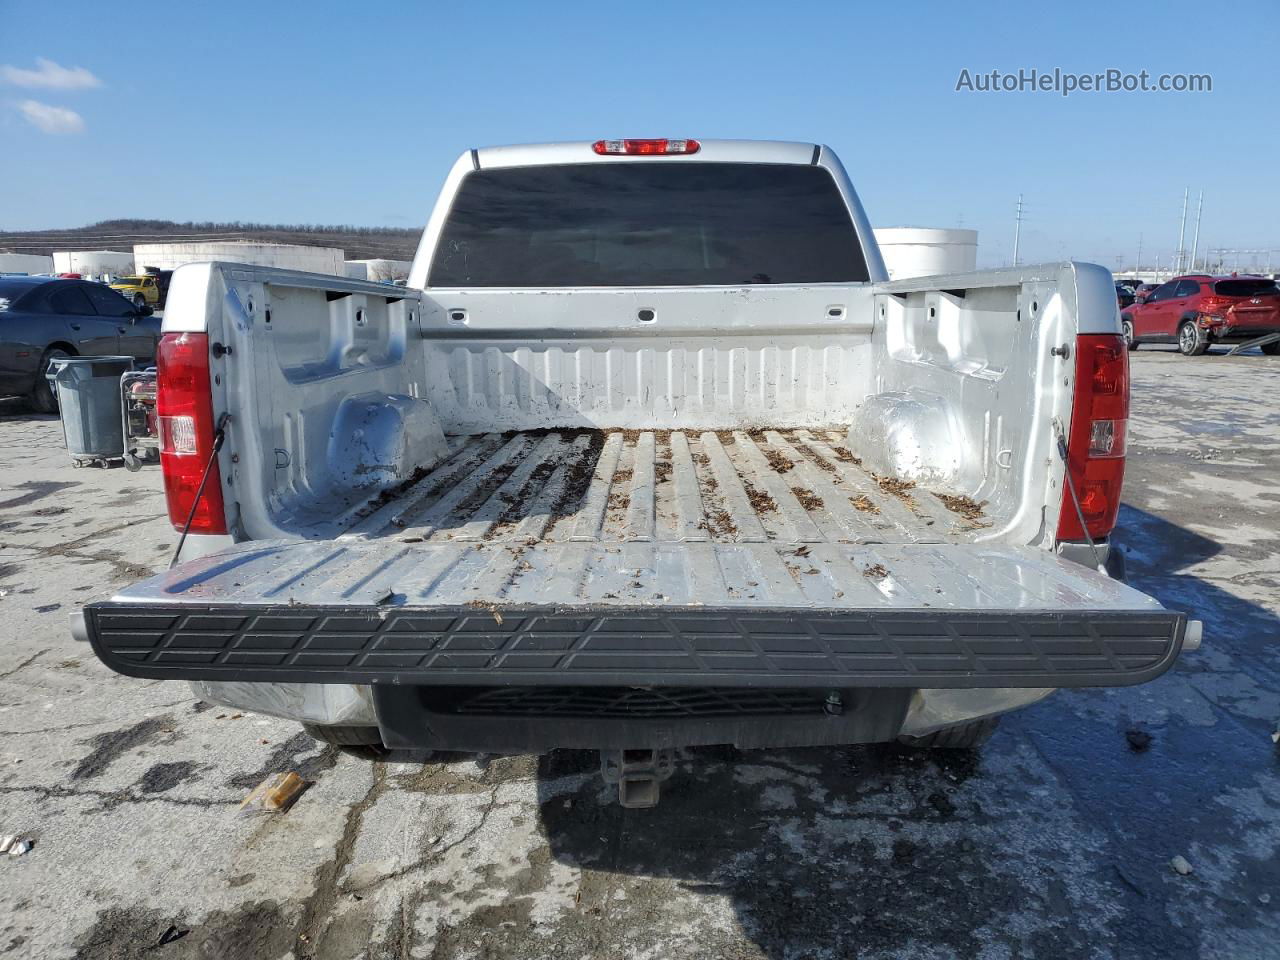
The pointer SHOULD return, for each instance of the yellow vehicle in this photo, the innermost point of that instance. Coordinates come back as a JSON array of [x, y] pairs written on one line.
[[146, 289]]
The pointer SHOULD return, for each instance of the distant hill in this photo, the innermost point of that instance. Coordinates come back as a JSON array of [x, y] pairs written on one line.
[[359, 243]]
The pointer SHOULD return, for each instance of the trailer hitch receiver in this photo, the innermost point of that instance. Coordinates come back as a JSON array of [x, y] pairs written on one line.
[[638, 774]]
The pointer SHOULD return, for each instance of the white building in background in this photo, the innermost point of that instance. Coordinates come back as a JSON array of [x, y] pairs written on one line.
[[379, 270], [927, 251], [169, 256], [29, 263], [93, 263]]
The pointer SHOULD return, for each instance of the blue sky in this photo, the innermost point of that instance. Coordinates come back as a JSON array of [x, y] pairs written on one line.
[[353, 112]]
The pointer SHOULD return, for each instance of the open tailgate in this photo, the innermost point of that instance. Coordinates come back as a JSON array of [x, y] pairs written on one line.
[[705, 614]]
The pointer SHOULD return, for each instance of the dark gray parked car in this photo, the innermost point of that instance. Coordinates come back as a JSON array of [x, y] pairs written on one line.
[[42, 318]]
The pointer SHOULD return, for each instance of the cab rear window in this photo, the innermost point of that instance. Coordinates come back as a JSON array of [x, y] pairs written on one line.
[[638, 224], [1246, 287]]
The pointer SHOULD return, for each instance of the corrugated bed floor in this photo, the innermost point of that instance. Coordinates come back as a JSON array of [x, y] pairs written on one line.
[[787, 486]]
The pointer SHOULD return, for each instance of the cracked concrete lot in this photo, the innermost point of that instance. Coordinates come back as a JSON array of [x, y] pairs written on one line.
[[1053, 841]]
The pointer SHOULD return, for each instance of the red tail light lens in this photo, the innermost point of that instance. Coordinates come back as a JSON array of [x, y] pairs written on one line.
[[646, 147], [184, 411], [1096, 442]]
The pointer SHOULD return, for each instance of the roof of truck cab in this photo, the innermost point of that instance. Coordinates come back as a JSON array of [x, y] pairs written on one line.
[[709, 151]]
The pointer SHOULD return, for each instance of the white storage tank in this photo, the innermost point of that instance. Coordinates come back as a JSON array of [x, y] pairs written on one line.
[[29, 263], [93, 263], [927, 251], [379, 270], [170, 256]]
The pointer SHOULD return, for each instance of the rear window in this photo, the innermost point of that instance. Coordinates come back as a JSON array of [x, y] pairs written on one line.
[[647, 224], [1246, 287], [11, 291]]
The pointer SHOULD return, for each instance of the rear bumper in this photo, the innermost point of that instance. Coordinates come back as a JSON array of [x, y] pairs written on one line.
[[535, 646], [1239, 333]]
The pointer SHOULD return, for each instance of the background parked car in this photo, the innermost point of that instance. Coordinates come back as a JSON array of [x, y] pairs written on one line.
[[43, 318], [1124, 295], [1143, 290], [1199, 310]]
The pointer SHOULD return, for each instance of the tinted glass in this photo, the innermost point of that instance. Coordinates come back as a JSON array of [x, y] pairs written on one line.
[[647, 224], [1187, 288], [14, 289], [1245, 287], [70, 299], [1162, 292], [107, 302]]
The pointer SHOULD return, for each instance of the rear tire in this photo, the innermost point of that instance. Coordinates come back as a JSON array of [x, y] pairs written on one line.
[[139, 300], [1271, 349], [1126, 327], [363, 742], [964, 736], [43, 397], [1192, 339]]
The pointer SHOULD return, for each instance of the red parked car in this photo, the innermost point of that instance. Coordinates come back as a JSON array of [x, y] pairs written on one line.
[[1198, 310]]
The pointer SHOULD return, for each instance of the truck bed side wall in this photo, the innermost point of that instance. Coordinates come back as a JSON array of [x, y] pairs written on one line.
[[968, 384]]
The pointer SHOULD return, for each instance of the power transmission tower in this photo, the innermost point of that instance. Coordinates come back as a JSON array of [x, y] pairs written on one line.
[[1017, 230], [1195, 244], [1182, 230]]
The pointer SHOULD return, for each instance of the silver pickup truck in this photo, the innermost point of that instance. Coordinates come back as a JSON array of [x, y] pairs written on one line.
[[648, 454]]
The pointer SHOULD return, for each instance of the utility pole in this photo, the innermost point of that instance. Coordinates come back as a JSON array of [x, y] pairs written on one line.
[[1137, 263], [1195, 244], [1182, 229], [1017, 230]]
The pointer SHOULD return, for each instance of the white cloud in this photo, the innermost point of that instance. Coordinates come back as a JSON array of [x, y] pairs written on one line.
[[49, 75], [51, 119]]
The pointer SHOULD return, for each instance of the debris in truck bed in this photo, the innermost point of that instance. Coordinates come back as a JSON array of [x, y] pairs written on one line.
[[760, 500], [896, 487], [487, 605], [844, 455], [718, 523], [967, 507], [1181, 866], [815, 458], [808, 499], [876, 571], [776, 460], [580, 484]]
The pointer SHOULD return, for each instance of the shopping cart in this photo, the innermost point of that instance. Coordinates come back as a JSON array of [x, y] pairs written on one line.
[[138, 414]]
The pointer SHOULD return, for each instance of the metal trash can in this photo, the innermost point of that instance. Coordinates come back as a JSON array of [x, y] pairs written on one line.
[[88, 391]]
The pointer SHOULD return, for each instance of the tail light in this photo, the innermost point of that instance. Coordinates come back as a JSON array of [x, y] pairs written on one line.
[[184, 413], [1211, 309], [1096, 443], [646, 147]]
